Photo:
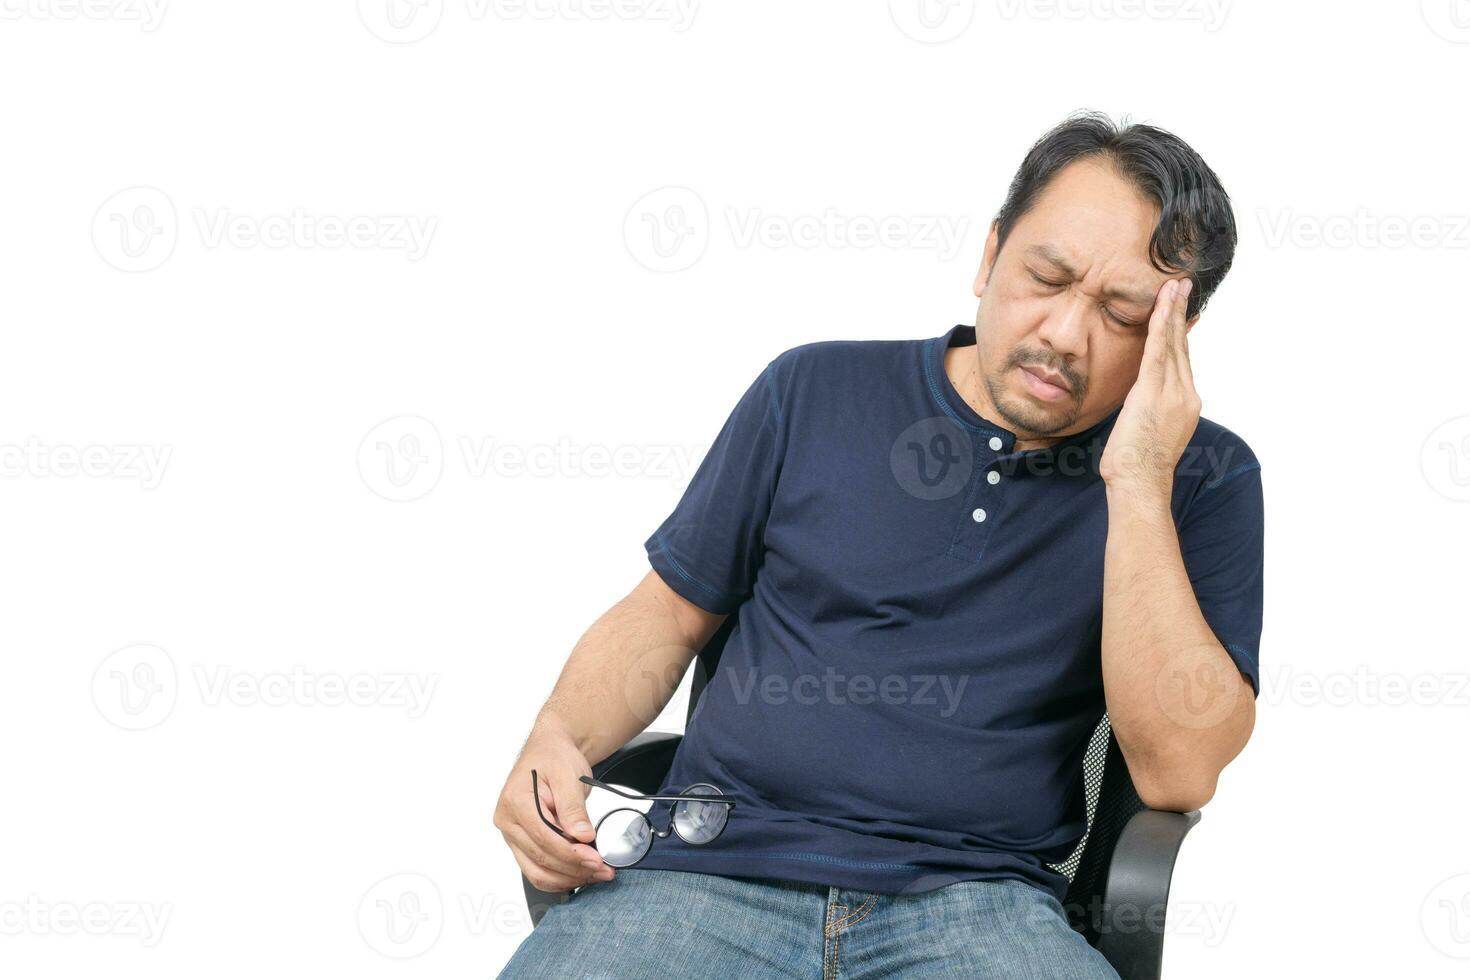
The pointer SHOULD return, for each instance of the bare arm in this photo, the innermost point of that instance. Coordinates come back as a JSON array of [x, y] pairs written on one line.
[[626, 667], [620, 675], [1179, 706]]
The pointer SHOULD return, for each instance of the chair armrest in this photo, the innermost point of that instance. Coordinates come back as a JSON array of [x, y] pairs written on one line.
[[641, 765], [1131, 929]]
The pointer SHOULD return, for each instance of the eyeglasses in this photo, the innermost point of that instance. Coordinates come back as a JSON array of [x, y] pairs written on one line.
[[625, 835]]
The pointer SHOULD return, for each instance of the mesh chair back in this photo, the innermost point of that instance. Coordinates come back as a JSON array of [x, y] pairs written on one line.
[[1110, 796], [1111, 802]]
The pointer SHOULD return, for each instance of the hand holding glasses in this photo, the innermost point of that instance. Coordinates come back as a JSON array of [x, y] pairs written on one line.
[[625, 835]]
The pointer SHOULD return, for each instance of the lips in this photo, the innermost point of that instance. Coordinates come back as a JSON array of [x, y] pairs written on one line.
[[1044, 384]]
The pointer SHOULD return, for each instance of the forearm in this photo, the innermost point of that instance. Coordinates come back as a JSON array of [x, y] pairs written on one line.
[[1176, 700], [620, 675]]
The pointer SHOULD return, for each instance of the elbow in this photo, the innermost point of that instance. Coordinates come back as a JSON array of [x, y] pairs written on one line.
[[1176, 793]]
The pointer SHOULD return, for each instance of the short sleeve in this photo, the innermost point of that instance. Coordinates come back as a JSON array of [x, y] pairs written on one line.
[[1222, 541], [711, 547]]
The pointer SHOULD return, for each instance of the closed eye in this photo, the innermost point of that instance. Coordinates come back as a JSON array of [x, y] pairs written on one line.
[[1122, 321]]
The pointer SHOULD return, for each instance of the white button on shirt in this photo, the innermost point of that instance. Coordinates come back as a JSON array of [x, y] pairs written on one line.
[[978, 514], [995, 442], [993, 477]]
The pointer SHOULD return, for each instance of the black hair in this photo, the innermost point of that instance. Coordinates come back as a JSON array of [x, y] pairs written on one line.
[[1196, 229]]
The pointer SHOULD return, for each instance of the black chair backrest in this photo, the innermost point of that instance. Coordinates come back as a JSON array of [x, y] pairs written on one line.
[[1108, 788], [707, 661]]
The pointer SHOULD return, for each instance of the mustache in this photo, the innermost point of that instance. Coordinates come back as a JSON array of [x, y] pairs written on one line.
[[1075, 381]]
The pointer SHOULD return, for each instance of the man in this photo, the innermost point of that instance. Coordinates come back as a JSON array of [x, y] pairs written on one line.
[[948, 557]]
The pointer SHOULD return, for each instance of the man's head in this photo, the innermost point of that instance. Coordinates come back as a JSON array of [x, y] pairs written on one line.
[[1097, 218]]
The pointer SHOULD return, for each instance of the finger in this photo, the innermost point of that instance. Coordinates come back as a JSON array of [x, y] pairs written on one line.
[[1154, 345], [569, 800], [545, 837], [551, 858], [1180, 304], [545, 879], [1186, 369], [1174, 319]]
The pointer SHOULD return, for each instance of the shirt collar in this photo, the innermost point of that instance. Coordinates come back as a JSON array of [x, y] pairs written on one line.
[[1090, 442]]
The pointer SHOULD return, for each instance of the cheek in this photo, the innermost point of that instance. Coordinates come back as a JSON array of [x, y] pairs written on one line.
[[1016, 294], [1012, 312], [1113, 375]]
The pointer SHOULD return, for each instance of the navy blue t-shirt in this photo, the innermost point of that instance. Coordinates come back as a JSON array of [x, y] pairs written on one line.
[[915, 670]]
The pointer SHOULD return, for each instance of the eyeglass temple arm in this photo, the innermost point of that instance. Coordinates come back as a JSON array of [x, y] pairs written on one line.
[[639, 796], [536, 794]]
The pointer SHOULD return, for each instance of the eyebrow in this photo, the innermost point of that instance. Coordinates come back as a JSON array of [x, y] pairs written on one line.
[[1049, 253]]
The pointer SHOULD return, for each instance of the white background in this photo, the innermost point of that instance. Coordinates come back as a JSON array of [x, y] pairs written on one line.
[[267, 553]]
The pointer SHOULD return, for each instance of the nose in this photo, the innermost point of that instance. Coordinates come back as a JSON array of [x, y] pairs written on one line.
[[1065, 328]]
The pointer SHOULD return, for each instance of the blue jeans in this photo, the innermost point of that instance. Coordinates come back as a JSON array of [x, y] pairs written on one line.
[[681, 925]]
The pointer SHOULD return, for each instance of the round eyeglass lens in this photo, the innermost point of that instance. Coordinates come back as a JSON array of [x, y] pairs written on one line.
[[623, 837], [697, 822]]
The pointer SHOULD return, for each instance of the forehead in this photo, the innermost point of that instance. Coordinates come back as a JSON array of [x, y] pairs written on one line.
[[1098, 221]]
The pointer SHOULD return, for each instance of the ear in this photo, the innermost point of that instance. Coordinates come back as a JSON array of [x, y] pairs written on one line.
[[1189, 324], [987, 262]]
